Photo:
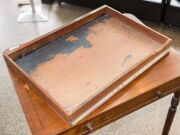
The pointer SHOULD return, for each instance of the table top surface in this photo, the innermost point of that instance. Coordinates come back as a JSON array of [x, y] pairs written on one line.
[[42, 119]]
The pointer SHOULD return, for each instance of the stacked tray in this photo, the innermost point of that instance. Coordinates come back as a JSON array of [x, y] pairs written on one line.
[[80, 66]]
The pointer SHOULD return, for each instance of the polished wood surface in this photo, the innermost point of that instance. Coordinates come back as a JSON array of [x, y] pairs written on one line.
[[160, 80]]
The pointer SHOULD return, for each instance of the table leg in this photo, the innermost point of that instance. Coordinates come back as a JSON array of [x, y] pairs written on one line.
[[171, 113]]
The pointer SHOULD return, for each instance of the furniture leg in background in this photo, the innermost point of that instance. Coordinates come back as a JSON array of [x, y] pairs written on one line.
[[33, 13], [171, 113]]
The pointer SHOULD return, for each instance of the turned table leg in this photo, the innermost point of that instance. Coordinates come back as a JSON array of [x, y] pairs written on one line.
[[171, 113]]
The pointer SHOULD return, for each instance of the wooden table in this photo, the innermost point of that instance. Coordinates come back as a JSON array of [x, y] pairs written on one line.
[[159, 81]]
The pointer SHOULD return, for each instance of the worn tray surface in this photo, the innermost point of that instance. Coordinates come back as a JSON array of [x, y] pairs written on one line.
[[77, 66]]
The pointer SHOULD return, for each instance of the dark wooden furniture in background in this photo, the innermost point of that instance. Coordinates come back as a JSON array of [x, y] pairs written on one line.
[[172, 13], [47, 1], [164, 11], [141, 8]]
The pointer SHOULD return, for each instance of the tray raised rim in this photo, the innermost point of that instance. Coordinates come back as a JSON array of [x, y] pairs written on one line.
[[10, 54]]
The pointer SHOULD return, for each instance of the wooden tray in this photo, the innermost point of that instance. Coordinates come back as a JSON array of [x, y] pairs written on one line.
[[80, 66]]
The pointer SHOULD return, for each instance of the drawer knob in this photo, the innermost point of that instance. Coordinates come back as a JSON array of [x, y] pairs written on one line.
[[89, 126], [158, 94]]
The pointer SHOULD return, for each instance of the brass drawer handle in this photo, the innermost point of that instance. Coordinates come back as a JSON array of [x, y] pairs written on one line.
[[158, 93], [89, 127]]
